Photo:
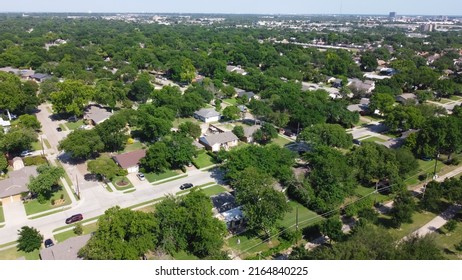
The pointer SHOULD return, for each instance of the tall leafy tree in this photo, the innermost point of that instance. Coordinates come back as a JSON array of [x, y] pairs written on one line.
[[105, 167], [29, 239], [44, 182], [72, 97], [332, 135], [82, 144]]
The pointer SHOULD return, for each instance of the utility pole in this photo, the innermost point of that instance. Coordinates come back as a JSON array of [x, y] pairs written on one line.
[[77, 190]]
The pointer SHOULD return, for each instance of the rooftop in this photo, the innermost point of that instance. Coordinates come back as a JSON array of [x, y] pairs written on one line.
[[130, 159], [17, 181], [219, 138], [97, 114], [207, 113], [66, 250]]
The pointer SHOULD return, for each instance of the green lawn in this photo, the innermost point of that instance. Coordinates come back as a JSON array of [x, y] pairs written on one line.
[[231, 101], [362, 191], [213, 190], [34, 207], [184, 256], [425, 167], [60, 237], [419, 220], [281, 141], [2, 217], [134, 147], [374, 139], [444, 101], [36, 146], [46, 143], [455, 97], [14, 254], [153, 177], [305, 216], [74, 125], [203, 160], [117, 180], [63, 127], [247, 245], [178, 121], [447, 241], [66, 176]]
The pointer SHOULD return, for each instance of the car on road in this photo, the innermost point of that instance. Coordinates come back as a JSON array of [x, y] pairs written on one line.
[[186, 186], [26, 153], [74, 218], [141, 176], [59, 129], [48, 243]]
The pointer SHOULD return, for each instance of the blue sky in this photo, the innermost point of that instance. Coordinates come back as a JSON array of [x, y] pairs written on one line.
[[426, 7]]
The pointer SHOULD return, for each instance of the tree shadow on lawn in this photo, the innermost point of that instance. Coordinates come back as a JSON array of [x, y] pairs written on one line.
[[66, 158]]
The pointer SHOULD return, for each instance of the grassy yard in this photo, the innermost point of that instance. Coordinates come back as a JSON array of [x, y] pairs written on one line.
[[184, 256], [247, 245], [63, 127], [60, 237], [374, 139], [203, 160], [281, 141], [419, 220], [213, 190], [14, 254], [34, 207], [231, 101], [178, 121], [444, 101], [153, 177], [36, 146], [455, 98], [447, 241], [425, 167], [134, 147], [74, 125], [2, 217], [362, 191], [305, 216], [125, 184], [46, 143]]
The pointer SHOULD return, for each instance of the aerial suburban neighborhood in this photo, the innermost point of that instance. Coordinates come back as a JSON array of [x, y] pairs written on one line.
[[201, 136]]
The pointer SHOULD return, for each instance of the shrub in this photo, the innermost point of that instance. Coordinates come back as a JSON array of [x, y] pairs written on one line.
[[35, 160], [453, 161], [130, 141], [78, 229], [62, 196], [53, 201]]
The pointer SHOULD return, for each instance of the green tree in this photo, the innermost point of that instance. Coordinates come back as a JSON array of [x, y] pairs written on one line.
[[82, 144], [332, 135], [403, 208], [29, 239], [122, 234], [419, 248], [451, 225], [29, 121], [18, 139], [141, 89], [78, 229], [238, 130], [382, 102], [332, 228], [265, 134], [72, 97], [105, 167], [157, 158], [44, 182], [231, 113], [188, 72], [3, 163], [191, 129], [113, 133], [262, 205]]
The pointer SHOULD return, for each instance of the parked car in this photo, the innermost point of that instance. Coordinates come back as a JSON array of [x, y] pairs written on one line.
[[59, 129], [74, 218], [26, 153], [141, 176], [186, 186], [356, 142], [48, 243]]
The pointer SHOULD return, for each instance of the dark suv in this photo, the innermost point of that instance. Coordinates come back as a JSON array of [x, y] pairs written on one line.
[[74, 218], [186, 186], [48, 243]]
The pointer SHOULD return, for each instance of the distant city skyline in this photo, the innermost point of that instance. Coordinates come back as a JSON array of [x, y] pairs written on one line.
[[401, 7]]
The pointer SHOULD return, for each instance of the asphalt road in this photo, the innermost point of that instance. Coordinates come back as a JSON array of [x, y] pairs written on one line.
[[95, 199]]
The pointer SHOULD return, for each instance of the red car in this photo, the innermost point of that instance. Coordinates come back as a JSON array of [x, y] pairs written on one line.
[[74, 218]]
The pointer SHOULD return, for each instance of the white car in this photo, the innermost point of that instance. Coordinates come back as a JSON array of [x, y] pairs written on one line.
[[141, 176], [26, 153]]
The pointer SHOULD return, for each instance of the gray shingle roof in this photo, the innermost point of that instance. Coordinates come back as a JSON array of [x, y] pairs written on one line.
[[207, 113], [219, 138], [17, 181], [66, 250]]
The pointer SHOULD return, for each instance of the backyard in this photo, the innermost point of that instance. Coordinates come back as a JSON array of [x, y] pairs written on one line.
[[134, 147]]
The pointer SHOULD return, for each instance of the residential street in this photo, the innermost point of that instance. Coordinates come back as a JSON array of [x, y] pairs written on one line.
[[95, 199]]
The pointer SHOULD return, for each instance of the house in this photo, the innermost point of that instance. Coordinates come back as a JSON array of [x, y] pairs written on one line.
[[218, 141], [207, 115], [39, 77], [130, 161], [17, 181], [236, 69], [5, 125], [66, 250], [96, 114], [234, 218], [407, 98], [362, 107], [366, 87], [248, 94], [248, 133]]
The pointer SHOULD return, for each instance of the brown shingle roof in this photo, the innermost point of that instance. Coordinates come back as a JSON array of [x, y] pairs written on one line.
[[130, 159]]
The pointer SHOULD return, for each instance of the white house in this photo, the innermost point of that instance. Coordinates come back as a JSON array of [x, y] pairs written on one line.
[[207, 115]]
